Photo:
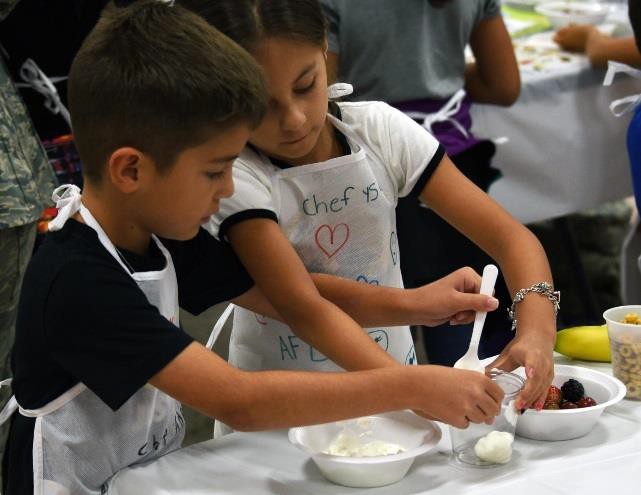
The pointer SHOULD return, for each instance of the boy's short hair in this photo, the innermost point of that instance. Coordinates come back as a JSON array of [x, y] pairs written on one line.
[[157, 77]]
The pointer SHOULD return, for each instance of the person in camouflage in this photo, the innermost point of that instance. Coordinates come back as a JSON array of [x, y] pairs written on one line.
[[26, 183]]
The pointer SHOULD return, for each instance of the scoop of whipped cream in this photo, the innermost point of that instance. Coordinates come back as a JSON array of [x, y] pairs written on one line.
[[495, 447], [347, 444]]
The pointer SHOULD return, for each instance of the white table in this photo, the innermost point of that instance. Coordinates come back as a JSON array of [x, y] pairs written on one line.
[[566, 151], [607, 460]]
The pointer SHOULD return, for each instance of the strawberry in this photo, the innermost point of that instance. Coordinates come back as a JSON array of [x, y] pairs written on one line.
[[586, 402], [566, 404], [554, 395]]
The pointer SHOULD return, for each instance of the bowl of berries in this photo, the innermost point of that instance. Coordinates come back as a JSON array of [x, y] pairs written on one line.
[[575, 401]]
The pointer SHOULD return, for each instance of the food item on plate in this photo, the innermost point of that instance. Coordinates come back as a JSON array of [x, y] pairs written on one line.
[[348, 444], [632, 319], [571, 395], [495, 447], [554, 394], [586, 402], [572, 390], [590, 343]]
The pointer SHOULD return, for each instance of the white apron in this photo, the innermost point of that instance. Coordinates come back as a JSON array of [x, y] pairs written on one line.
[[79, 442], [340, 217]]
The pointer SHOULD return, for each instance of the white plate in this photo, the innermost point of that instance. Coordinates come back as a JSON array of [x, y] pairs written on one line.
[[568, 12]]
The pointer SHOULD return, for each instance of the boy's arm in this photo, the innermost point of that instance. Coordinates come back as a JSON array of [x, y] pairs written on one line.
[[453, 298], [282, 277], [494, 75], [523, 263], [276, 399]]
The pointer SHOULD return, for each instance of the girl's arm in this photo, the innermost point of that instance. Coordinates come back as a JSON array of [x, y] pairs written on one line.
[[263, 400], [494, 75], [597, 46], [453, 298], [282, 277], [523, 263]]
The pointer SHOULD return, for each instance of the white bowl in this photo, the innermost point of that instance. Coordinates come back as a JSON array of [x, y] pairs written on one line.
[[415, 434], [565, 424], [563, 13]]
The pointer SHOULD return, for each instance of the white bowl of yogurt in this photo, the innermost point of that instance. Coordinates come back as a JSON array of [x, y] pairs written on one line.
[[367, 452]]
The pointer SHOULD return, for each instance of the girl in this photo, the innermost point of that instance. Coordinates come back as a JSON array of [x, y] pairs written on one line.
[[316, 191], [434, 84]]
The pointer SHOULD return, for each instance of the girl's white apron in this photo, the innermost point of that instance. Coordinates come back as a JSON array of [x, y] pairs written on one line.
[[340, 217]]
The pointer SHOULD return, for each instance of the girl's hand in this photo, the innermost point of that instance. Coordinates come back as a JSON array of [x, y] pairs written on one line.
[[454, 298], [534, 353], [574, 38]]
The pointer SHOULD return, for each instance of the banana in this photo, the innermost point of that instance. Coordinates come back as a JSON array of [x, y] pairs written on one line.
[[589, 343]]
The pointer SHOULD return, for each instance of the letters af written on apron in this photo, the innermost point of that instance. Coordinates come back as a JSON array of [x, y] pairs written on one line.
[[340, 217], [69, 429]]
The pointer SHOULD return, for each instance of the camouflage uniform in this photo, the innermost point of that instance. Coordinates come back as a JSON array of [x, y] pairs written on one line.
[[26, 183]]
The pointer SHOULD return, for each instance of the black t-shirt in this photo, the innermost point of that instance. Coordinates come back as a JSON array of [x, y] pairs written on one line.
[[82, 318]]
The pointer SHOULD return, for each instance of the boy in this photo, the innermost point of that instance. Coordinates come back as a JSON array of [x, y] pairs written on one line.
[[161, 105]]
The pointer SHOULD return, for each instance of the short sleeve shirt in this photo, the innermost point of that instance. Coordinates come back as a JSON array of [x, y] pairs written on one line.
[[397, 51], [408, 152]]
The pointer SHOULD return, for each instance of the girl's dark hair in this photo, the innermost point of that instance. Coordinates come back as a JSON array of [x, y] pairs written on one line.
[[248, 21]]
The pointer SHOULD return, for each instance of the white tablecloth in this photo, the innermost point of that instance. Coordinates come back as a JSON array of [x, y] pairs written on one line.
[[566, 151], [607, 460]]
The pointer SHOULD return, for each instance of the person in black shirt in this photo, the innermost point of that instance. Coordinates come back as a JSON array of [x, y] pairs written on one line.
[[161, 105]]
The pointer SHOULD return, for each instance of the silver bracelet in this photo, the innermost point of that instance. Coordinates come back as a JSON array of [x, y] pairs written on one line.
[[543, 288]]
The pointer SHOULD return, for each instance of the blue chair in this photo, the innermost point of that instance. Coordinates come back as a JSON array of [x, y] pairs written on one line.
[[631, 252]]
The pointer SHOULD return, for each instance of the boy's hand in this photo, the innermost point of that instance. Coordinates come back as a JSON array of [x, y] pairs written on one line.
[[574, 38], [530, 351], [454, 298], [459, 397]]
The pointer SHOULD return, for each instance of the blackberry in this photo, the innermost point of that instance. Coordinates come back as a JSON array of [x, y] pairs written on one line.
[[572, 390]]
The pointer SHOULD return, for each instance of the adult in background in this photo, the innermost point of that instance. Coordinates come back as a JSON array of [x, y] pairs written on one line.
[[26, 183], [411, 54]]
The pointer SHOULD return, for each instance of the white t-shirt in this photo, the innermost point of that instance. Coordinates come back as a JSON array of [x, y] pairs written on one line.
[[408, 153]]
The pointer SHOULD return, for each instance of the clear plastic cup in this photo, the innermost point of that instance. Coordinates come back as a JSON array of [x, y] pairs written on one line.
[[465, 441], [625, 347]]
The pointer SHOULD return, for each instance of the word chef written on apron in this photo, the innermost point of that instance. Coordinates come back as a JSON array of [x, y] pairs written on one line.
[[66, 458], [340, 217]]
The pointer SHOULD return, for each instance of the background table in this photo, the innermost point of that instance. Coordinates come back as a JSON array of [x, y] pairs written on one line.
[[566, 151], [607, 460]]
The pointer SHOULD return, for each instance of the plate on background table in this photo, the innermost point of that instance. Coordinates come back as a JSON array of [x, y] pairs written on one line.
[[522, 4]]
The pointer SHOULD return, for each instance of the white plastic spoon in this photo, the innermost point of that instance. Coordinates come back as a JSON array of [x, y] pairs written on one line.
[[470, 360]]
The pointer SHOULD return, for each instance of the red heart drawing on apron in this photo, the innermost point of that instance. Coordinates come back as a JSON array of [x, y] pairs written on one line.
[[332, 241]]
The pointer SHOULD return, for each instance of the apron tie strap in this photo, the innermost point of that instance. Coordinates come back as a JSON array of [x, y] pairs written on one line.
[[339, 90], [629, 103], [218, 327], [10, 406], [445, 114], [38, 81], [68, 201]]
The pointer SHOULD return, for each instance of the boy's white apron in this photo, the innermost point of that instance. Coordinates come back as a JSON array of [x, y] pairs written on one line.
[[340, 217], [79, 442]]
